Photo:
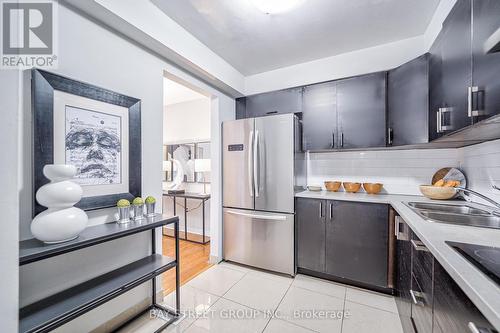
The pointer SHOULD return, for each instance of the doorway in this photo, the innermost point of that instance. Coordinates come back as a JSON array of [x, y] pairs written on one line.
[[186, 176]]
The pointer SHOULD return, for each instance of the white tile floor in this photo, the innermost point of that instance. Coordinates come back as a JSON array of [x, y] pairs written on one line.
[[231, 298]]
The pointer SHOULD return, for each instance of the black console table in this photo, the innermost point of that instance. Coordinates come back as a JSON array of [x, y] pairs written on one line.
[[56, 310], [196, 196]]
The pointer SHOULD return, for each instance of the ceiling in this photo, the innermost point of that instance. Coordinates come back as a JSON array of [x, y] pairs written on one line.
[[254, 42], [174, 93]]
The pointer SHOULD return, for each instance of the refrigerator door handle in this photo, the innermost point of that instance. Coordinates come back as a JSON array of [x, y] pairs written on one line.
[[250, 165], [258, 216], [256, 162]]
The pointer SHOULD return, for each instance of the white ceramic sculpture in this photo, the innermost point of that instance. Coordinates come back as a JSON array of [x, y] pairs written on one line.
[[61, 222]]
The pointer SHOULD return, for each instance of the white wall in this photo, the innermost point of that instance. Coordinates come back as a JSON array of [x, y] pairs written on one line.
[[481, 164], [91, 53], [187, 122], [9, 198], [401, 171], [369, 60], [146, 24]]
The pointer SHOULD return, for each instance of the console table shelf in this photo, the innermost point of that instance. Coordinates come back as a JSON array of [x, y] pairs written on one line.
[[56, 310], [32, 250]]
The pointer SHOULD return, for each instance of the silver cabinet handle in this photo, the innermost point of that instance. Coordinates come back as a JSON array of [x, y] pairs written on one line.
[[341, 139], [396, 226], [474, 329], [256, 171], [389, 135], [419, 246], [471, 111], [331, 211], [333, 139], [438, 121], [469, 101], [250, 165], [417, 297]]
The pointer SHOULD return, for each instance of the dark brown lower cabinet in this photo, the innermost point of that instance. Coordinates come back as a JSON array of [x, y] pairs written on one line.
[[421, 286], [453, 310], [402, 285], [356, 241], [310, 218], [428, 299], [345, 241]]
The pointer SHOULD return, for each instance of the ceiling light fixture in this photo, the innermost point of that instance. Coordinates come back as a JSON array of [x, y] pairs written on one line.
[[276, 6]]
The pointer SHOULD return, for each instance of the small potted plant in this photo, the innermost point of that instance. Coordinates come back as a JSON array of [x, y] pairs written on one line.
[[150, 206], [138, 205], [123, 210]]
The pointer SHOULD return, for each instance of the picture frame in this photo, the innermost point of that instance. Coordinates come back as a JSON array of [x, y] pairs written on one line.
[[95, 129]]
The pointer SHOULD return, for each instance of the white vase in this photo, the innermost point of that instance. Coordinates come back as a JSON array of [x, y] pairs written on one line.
[[61, 222]]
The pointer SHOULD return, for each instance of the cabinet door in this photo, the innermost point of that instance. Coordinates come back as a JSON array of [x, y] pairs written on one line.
[[361, 107], [486, 20], [403, 274], [453, 310], [456, 66], [421, 288], [241, 108], [357, 241], [436, 89], [408, 102], [310, 214], [275, 102], [319, 117]]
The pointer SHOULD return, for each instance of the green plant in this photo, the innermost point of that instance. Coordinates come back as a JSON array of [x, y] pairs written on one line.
[[138, 201], [150, 200], [122, 203]]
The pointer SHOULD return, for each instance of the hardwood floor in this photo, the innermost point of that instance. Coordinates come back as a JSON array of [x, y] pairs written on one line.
[[194, 259]]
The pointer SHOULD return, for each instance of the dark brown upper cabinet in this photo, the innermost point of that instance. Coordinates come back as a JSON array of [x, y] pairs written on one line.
[[408, 103], [274, 102], [361, 108], [319, 117], [463, 86]]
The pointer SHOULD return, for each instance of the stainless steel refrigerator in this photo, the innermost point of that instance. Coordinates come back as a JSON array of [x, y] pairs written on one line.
[[263, 167]]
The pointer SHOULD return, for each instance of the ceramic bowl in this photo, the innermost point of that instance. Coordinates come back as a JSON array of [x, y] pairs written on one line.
[[437, 192], [373, 188], [314, 188], [332, 186], [351, 187]]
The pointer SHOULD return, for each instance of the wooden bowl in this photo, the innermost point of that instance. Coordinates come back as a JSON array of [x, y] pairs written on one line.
[[438, 192], [373, 188], [332, 186], [351, 187]]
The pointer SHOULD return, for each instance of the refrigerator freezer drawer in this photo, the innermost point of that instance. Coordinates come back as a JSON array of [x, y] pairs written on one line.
[[259, 239]]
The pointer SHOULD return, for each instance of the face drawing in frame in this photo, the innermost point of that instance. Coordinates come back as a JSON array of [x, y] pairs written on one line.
[[93, 145]]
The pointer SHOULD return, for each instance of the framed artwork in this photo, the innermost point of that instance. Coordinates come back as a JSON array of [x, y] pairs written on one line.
[[94, 129]]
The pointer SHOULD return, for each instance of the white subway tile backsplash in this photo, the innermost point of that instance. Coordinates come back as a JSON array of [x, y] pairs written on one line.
[[401, 171]]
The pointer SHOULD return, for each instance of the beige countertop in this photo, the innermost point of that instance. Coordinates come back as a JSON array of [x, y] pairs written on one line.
[[483, 292]]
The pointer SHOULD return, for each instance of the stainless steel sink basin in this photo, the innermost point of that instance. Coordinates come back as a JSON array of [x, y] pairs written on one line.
[[461, 214], [446, 208], [485, 221]]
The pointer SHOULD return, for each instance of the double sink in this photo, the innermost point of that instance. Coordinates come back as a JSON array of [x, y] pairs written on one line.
[[459, 214]]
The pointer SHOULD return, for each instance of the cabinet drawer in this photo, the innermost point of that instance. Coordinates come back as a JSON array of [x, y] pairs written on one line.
[[453, 310], [422, 263], [421, 307]]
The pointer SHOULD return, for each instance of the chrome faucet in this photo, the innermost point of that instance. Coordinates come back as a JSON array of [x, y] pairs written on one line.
[[466, 191]]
